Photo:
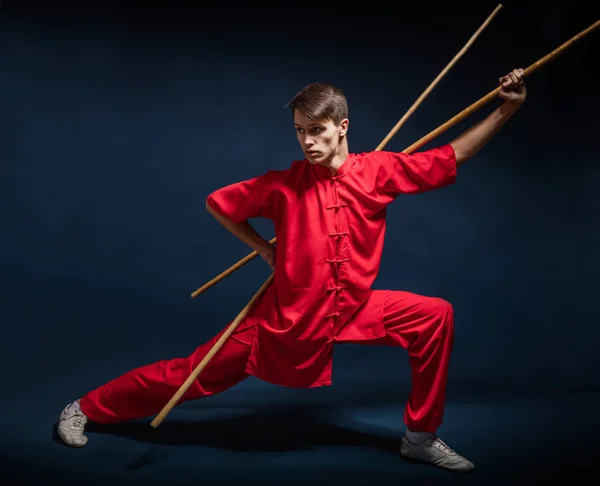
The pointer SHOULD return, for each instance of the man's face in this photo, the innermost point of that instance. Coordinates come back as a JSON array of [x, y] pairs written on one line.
[[319, 139]]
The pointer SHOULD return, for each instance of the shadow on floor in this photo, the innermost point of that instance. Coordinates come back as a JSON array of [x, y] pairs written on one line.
[[268, 429]]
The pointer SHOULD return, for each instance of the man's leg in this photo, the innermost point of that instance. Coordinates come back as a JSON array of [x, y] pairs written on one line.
[[144, 391], [425, 327]]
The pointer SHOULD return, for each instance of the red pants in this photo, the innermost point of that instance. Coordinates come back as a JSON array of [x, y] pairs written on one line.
[[422, 325]]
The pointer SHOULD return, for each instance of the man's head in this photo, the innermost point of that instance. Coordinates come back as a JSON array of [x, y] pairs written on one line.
[[320, 113]]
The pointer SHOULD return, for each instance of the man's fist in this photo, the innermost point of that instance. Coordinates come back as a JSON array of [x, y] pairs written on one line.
[[513, 87]]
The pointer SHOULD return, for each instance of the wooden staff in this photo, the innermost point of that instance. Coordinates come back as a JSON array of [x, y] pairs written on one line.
[[183, 388], [383, 143]]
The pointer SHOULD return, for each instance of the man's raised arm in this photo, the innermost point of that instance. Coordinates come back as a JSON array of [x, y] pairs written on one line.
[[473, 140]]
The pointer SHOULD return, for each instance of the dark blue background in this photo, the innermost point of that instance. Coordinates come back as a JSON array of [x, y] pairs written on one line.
[[118, 121]]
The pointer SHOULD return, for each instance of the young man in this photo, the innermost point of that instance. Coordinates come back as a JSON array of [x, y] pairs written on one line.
[[329, 212]]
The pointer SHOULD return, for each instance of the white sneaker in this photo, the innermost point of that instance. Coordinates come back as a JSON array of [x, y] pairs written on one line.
[[71, 426], [434, 451]]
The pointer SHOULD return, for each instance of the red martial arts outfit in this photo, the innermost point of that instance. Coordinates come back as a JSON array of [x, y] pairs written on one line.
[[330, 232]]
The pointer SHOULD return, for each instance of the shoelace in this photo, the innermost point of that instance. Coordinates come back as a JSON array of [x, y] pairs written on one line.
[[78, 421], [444, 446]]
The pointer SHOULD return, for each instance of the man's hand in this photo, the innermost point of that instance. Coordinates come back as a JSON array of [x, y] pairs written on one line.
[[513, 89], [269, 255]]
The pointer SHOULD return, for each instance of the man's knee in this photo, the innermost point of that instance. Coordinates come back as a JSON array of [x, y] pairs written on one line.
[[438, 306], [441, 310]]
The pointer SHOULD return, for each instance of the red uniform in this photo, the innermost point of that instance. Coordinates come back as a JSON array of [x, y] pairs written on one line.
[[330, 232]]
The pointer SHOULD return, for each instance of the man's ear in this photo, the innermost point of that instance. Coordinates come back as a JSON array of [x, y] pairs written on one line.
[[344, 127]]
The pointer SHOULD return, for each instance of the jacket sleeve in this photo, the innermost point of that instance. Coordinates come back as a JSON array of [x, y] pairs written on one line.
[[399, 173], [251, 198]]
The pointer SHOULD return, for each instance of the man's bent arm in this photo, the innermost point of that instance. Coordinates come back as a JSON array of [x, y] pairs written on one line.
[[473, 140], [244, 231]]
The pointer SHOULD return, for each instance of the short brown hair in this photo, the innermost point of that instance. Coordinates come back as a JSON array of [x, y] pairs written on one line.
[[320, 101]]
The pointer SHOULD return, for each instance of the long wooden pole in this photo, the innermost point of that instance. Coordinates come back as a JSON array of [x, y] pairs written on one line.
[[383, 143]]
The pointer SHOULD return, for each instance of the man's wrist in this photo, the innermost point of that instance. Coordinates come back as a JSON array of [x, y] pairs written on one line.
[[508, 108]]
